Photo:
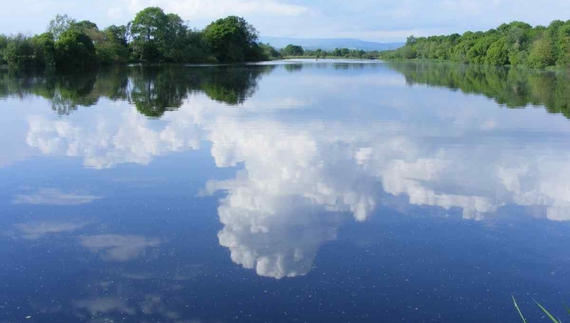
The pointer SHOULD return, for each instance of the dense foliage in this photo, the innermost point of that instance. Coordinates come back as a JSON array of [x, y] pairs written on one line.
[[298, 51], [293, 50], [153, 36], [516, 44], [232, 39]]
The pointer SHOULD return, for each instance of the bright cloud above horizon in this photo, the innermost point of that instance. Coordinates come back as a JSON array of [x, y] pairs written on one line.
[[375, 20]]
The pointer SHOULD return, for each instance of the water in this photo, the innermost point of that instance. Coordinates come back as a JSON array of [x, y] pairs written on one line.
[[307, 191]]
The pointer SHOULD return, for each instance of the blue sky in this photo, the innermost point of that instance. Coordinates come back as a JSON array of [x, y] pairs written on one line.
[[376, 20]]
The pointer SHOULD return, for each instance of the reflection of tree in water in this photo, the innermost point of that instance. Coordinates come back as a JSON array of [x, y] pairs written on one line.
[[512, 87], [155, 90], [351, 66], [73, 91], [20, 84], [112, 83], [293, 67], [322, 65], [232, 85], [64, 92], [152, 89]]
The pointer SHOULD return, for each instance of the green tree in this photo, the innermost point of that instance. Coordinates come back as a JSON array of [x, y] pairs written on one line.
[[498, 53], [541, 53], [75, 50], [196, 49], [408, 52], [269, 52], [3, 44], [84, 26], [515, 43], [117, 34], [18, 51], [44, 49], [411, 40], [564, 45], [59, 25], [148, 30], [111, 45], [176, 39], [478, 51], [232, 39], [293, 50]]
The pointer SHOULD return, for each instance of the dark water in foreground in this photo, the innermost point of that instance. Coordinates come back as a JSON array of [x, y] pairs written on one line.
[[297, 192]]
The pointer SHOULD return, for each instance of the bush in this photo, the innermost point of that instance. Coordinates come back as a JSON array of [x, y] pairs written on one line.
[[44, 49], [18, 51], [541, 54], [75, 49]]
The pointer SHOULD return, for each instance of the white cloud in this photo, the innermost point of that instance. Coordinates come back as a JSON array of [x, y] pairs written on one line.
[[115, 247], [50, 196], [390, 35], [471, 6], [212, 9], [379, 20], [115, 13]]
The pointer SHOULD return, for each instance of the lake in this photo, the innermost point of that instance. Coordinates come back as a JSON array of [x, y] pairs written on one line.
[[295, 191]]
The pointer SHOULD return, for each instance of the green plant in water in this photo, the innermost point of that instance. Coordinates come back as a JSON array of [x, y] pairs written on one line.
[[518, 309], [550, 316]]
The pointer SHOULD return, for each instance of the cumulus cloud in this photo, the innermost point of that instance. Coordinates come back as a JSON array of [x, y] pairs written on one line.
[[115, 247], [49, 196]]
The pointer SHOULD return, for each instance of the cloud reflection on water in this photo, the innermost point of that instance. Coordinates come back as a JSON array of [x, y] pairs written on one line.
[[301, 178], [35, 230], [115, 247], [51, 196]]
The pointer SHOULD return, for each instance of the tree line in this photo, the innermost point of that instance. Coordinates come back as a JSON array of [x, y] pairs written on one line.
[[515, 44], [292, 50], [152, 36]]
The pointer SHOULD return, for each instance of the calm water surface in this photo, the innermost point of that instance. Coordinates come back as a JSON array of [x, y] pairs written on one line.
[[288, 192]]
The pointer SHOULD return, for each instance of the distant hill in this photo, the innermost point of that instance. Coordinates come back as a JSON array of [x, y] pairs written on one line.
[[329, 43]]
